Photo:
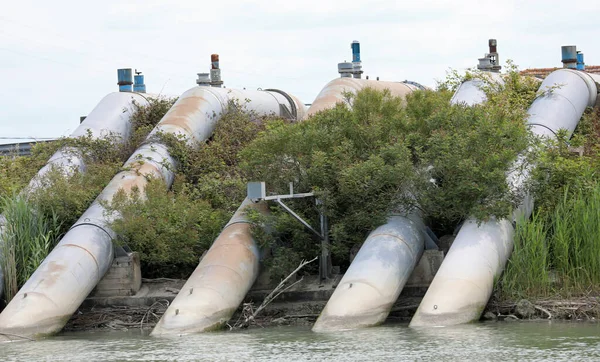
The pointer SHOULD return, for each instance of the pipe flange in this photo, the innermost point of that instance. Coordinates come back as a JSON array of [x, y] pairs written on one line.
[[415, 84], [97, 224], [294, 109]]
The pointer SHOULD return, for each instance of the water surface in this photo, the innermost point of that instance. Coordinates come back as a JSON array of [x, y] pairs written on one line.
[[518, 341]]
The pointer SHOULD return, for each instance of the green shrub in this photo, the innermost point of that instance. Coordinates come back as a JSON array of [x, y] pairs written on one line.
[[382, 154], [170, 231]]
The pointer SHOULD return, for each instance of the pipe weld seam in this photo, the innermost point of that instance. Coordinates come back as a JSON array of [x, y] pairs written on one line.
[[402, 241], [92, 224], [225, 267], [90, 254]]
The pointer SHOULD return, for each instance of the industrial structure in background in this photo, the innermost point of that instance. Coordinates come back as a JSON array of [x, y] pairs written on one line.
[[571, 58]]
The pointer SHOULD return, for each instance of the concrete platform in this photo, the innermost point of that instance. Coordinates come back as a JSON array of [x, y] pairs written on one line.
[[310, 289]]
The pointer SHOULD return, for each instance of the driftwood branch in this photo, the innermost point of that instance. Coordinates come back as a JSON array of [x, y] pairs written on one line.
[[543, 310], [251, 313]]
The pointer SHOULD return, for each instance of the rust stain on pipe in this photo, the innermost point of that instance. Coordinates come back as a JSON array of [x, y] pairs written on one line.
[[333, 92], [219, 283]]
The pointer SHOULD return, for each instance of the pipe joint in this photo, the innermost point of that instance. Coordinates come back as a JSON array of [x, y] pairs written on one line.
[[293, 110]]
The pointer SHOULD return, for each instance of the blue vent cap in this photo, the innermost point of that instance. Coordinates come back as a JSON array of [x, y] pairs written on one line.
[[125, 79]]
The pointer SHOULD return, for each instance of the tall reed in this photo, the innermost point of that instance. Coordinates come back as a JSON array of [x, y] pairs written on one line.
[[527, 272], [26, 238], [557, 253]]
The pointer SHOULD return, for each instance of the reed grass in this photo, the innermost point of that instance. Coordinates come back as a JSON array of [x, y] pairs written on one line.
[[26, 238], [557, 253]]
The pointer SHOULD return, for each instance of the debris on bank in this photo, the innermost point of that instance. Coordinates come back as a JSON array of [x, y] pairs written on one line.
[[576, 309]]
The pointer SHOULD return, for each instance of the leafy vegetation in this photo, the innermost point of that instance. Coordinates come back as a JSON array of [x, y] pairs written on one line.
[[27, 236], [380, 154]]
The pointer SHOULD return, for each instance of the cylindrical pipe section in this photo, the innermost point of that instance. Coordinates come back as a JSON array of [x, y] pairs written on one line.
[[220, 282], [111, 116], [214, 60], [374, 280], [70, 272], [493, 45], [472, 92], [464, 283], [125, 79], [334, 91]]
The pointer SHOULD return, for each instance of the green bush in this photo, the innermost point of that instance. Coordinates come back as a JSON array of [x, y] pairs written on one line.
[[384, 154], [170, 231]]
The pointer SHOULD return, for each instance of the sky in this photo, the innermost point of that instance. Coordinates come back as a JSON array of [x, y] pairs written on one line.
[[59, 58]]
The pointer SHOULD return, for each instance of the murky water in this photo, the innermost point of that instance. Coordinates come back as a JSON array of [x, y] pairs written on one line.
[[539, 341]]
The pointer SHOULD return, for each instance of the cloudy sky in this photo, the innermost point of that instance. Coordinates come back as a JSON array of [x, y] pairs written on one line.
[[59, 58]]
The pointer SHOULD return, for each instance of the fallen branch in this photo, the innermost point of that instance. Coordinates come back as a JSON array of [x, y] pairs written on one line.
[[279, 289], [543, 310], [146, 315]]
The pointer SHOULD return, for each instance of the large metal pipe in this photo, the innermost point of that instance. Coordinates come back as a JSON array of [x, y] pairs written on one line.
[[465, 281], [334, 91], [110, 117], [219, 284], [380, 269], [473, 91], [70, 272], [374, 280]]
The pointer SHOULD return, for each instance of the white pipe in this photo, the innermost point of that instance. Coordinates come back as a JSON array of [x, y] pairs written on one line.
[[110, 117], [465, 281], [473, 91], [374, 280], [70, 272], [220, 282]]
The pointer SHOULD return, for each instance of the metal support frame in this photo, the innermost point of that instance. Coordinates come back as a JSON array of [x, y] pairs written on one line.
[[257, 191]]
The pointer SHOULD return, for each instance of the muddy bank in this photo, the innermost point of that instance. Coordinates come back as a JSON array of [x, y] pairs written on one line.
[[573, 309], [301, 306]]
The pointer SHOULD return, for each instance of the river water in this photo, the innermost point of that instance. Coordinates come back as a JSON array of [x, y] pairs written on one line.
[[503, 341]]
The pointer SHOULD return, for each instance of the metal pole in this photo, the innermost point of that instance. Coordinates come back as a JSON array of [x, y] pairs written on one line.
[[325, 260]]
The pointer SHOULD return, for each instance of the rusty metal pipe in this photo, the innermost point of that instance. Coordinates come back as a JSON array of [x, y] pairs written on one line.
[[220, 282], [70, 272], [334, 91], [110, 117]]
